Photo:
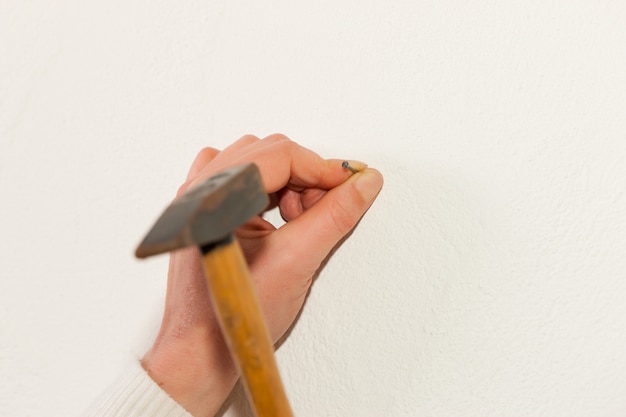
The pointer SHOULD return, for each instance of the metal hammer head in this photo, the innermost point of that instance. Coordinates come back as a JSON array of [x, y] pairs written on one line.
[[207, 213]]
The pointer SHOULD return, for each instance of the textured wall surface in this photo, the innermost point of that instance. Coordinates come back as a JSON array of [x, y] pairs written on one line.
[[489, 279]]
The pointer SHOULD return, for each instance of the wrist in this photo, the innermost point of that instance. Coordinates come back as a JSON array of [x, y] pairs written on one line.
[[198, 373]]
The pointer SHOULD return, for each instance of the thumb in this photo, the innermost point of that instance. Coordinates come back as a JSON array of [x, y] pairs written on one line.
[[315, 233]]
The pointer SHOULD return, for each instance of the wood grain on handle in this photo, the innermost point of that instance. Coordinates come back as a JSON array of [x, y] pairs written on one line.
[[238, 310]]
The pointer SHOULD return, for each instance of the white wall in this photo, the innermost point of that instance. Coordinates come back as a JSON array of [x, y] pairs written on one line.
[[488, 279]]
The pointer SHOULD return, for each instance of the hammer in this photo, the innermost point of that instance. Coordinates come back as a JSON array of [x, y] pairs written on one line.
[[206, 216]]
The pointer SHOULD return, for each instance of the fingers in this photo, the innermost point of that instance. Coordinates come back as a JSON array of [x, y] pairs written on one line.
[[293, 203], [282, 163], [312, 235], [299, 176], [241, 143], [203, 158]]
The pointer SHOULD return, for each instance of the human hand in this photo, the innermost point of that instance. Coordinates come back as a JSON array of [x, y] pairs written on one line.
[[321, 203]]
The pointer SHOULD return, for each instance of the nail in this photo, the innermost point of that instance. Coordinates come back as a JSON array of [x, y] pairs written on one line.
[[354, 166], [368, 183]]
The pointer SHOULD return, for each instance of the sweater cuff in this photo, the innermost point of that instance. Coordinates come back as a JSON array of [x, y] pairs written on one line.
[[136, 395]]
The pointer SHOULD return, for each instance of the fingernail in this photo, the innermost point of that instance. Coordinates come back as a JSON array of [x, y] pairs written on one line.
[[368, 183], [354, 166]]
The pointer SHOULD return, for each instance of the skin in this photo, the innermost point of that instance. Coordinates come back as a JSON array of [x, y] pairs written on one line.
[[318, 199]]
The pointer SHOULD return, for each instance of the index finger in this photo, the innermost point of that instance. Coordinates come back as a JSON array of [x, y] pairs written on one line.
[[283, 163]]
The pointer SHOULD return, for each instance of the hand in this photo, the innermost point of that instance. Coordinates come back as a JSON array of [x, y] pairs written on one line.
[[321, 203]]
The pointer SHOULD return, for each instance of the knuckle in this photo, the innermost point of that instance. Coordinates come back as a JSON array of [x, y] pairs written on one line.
[[209, 149], [244, 141], [208, 152], [249, 138], [281, 145], [277, 137]]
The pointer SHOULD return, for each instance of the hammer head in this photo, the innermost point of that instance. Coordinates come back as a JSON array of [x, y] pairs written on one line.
[[209, 212]]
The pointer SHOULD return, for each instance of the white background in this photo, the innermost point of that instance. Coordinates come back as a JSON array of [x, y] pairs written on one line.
[[487, 280]]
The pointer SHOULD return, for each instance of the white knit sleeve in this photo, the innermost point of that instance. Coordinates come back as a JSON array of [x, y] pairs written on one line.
[[136, 395]]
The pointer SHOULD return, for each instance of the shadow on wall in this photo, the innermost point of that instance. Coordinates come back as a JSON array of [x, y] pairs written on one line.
[[426, 264]]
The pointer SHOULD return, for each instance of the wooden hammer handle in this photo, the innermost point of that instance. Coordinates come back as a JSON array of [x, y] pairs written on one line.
[[238, 310]]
